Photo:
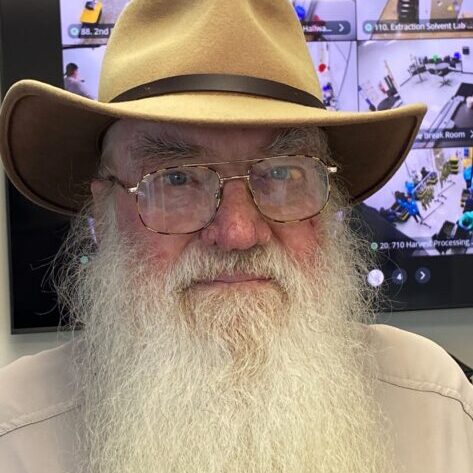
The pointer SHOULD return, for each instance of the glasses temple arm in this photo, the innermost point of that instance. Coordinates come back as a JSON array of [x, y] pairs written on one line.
[[115, 180]]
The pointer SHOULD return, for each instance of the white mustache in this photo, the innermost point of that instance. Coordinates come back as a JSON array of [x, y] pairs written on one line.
[[197, 265]]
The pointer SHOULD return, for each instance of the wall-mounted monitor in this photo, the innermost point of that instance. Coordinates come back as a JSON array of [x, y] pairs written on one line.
[[369, 56]]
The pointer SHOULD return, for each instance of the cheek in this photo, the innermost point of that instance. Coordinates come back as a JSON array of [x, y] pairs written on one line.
[[299, 239], [162, 249]]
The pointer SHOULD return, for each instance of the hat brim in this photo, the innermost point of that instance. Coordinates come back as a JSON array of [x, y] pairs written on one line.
[[49, 138]]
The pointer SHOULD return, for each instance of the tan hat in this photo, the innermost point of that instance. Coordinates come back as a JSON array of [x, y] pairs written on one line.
[[207, 62]]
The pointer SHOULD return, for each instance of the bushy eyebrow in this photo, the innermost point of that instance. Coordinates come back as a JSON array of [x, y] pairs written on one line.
[[291, 141], [149, 150]]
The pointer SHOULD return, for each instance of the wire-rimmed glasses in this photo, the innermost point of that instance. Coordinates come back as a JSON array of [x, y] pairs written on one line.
[[184, 199]]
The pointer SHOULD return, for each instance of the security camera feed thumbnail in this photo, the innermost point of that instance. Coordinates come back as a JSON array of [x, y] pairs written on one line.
[[414, 19], [82, 70], [88, 22], [327, 20], [439, 73], [335, 65], [427, 204]]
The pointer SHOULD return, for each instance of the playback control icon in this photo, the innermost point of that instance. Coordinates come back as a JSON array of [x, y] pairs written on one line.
[[399, 276], [422, 275]]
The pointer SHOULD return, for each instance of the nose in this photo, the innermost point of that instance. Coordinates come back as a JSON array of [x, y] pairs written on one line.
[[238, 224]]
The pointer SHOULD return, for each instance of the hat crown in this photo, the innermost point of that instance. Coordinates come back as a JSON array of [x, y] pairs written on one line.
[[157, 39]]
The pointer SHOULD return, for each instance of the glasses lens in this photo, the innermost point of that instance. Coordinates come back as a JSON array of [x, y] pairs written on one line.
[[178, 200], [289, 187]]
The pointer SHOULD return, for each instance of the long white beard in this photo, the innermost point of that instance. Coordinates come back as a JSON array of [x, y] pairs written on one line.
[[175, 378]]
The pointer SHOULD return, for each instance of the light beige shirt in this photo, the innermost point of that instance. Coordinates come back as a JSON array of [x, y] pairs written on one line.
[[423, 392]]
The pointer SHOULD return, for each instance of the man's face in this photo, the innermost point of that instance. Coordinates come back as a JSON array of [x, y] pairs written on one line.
[[238, 225]]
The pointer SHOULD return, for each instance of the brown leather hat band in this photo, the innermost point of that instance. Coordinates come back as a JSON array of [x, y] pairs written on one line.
[[221, 83]]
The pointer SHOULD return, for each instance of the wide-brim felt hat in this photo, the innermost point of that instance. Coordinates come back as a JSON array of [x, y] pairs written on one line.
[[211, 62]]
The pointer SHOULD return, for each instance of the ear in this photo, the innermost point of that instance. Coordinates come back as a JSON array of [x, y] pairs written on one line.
[[100, 190]]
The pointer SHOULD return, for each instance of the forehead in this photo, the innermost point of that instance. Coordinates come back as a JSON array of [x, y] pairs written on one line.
[[125, 136]]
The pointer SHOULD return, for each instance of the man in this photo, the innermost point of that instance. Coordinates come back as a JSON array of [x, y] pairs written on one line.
[[221, 297]]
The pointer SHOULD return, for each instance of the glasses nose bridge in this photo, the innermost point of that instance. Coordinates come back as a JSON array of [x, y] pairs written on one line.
[[236, 177], [245, 177]]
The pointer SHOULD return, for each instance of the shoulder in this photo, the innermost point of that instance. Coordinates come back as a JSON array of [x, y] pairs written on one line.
[[410, 361], [35, 388]]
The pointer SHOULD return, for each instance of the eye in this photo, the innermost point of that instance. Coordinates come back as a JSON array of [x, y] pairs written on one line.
[[283, 173], [176, 178]]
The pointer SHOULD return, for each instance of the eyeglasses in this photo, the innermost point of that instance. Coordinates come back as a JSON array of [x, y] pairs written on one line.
[[185, 199]]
